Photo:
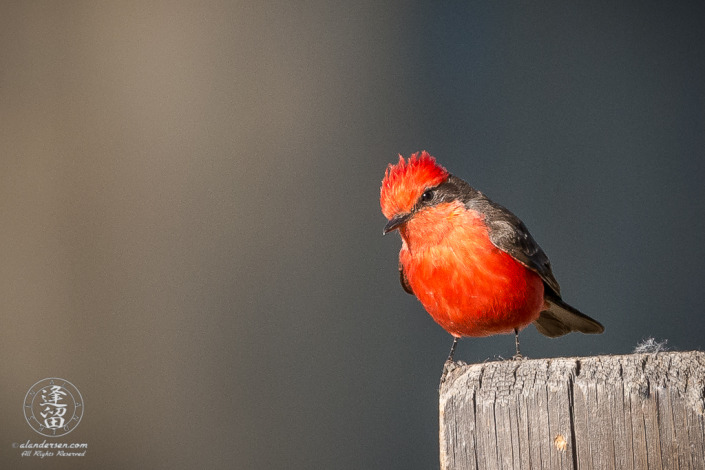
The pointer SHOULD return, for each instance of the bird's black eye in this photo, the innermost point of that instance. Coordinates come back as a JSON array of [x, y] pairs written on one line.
[[427, 195]]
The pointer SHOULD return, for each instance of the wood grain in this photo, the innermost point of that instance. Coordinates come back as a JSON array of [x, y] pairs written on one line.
[[640, 411]]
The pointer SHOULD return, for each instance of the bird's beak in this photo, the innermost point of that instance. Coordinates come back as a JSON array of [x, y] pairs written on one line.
[[395, 222]]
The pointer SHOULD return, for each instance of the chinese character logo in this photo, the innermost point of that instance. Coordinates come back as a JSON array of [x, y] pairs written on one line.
[[53, 407]]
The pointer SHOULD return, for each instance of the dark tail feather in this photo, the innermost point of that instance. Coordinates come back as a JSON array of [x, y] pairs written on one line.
[[560, 319]]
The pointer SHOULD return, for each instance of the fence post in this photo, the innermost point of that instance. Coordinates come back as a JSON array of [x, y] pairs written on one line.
[[639, 411]]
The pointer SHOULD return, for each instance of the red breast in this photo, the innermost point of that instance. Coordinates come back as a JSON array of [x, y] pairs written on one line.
[[468, 285]]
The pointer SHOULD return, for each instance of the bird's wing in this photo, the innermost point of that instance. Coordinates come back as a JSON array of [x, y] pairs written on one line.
[[404, 281], [508, 233]]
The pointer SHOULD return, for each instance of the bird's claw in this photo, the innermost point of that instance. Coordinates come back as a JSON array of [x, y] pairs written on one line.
[[448, 367]]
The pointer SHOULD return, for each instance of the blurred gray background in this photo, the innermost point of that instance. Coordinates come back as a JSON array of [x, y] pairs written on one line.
[[190, 229]]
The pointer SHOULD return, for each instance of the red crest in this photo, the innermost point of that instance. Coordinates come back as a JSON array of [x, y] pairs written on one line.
[[404, 182]]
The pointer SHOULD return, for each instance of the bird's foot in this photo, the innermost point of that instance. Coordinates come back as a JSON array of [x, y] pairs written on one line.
[[449, 367]]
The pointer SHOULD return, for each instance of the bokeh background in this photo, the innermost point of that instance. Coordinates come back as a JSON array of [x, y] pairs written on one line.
[[190, 229]]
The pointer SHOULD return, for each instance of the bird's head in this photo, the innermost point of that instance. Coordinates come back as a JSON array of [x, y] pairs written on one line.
[[407, 186]]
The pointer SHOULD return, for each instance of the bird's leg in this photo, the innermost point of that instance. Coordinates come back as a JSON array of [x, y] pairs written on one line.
[[516, 343], [448, 366], [452, 349]]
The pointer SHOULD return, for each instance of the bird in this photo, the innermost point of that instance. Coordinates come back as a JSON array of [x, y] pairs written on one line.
[[471, 262]]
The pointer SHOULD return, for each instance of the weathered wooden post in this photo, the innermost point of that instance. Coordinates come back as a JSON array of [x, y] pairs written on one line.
[[641, 411]]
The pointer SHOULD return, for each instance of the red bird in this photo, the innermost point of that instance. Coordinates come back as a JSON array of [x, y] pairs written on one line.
[[472, 264]]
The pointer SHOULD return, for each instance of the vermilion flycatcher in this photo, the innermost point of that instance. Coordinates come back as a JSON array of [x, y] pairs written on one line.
[[472, 264]]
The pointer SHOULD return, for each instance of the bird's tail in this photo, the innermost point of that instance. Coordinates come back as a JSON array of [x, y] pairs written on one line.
[[559, 319]]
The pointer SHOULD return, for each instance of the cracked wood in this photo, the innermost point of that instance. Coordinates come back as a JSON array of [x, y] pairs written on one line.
[[640, 411]]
